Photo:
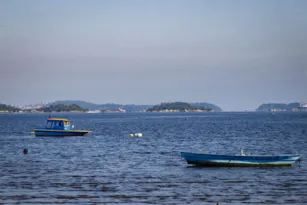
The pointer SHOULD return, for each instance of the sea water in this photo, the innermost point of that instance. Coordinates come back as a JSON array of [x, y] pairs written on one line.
[[109, 166]]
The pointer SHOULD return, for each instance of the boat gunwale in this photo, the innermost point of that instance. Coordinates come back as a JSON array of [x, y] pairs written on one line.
[[243, 156], [218, 164], [46, 130]]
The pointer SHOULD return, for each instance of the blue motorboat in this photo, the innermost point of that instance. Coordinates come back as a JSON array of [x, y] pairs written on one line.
[[239, 160], [60, 127]]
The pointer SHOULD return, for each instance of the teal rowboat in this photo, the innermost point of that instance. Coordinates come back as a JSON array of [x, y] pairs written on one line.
[[240, 160]]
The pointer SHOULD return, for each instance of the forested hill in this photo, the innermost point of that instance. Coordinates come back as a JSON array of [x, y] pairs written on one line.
[[178, 107], [63, 108]]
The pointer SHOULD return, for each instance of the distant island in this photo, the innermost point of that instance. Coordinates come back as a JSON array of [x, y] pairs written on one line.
[[52, 108], [8, 108], [62, 108], [279, 107], [178, 107]]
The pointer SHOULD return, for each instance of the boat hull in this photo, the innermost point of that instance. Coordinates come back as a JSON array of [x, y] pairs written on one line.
[[60, 133], [239, 161]]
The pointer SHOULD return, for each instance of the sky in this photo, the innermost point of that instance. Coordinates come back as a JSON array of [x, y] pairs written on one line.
[[236, 54]]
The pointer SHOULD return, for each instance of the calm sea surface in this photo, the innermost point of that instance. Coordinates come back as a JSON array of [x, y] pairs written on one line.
[[109, 166]]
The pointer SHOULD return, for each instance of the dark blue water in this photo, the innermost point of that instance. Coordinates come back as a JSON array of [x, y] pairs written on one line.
[[109, 166]]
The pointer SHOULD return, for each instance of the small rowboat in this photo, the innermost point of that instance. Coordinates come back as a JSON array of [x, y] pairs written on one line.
[[240, 160], [59, 127]]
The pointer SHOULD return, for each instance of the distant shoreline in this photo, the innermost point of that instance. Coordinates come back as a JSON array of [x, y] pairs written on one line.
[[38, 112], [50, 113], [184, 111]]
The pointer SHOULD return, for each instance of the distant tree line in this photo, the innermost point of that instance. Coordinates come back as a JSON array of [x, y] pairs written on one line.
[[180, 106], [8, 108], [63, 108]]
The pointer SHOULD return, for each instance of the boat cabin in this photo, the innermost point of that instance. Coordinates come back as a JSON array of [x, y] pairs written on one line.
[[58, 124]]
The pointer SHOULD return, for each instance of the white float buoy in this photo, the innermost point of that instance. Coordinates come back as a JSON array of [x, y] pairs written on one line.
[[136, 134]]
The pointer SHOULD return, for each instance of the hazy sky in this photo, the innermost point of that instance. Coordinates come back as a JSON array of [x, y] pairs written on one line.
[[235, 54]]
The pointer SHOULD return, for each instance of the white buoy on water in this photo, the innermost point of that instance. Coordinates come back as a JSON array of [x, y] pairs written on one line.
[[136, 135]]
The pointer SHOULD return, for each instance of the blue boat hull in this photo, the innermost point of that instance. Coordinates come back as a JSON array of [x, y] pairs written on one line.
[[59, 133], [239, 161]]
